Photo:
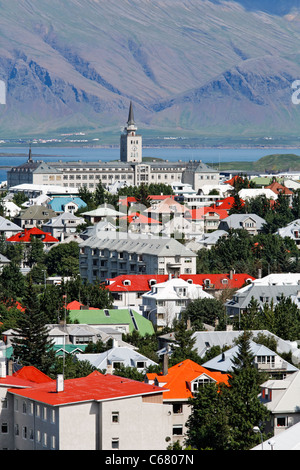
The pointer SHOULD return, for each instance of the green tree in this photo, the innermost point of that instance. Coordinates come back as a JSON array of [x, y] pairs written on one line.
[[246, 410], [184, 344], [63, 260], [201, 311], [31, 345], [208, 424]]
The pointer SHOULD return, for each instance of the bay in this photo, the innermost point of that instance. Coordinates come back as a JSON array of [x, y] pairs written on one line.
[[14, 156]]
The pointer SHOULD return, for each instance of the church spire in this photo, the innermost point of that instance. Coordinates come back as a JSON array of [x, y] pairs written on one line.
[[29, 154], [130, 121]]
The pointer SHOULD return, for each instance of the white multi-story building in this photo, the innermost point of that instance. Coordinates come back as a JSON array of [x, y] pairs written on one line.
[[165, 301], [109, 254]]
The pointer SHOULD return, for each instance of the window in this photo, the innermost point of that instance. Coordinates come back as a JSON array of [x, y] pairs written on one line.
[[16, 429], [140, 365], [177, 430], [52, 442], [4, 403], [4, 428], [24, 407], [115, 417], [177, 408], [115, 443], [282, 421], [24, 432]]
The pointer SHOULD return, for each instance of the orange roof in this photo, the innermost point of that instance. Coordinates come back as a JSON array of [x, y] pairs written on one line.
[[204, 212], [181, 375], [95, 386], [278, 188]]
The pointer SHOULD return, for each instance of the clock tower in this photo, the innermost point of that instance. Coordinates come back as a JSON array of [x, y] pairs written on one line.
[[130, 142]]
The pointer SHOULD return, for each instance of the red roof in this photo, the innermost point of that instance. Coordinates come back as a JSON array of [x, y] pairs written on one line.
[[227, 203], [27, 376], [95, 386], [24, 237], [136, 218], [203, 212], [179, 377], [142, 282]]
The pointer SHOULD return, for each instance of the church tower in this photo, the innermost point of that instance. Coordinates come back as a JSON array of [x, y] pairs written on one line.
[[130, 142]]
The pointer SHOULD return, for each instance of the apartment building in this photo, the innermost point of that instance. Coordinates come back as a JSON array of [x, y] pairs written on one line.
[[97, 412], [109, 254]]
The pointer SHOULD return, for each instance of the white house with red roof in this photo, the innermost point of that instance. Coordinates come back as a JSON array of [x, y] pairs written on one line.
[[97, 412]]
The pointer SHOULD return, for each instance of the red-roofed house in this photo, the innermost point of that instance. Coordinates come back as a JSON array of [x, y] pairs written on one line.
[[25, 237], [97, 412], [127, 290], [182, 381], [25, 378]]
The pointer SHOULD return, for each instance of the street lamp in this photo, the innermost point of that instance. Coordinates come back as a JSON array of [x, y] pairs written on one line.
[[257, 430]]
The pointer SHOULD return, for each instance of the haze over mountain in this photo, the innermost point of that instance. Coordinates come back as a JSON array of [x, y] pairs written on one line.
[[207, 68]]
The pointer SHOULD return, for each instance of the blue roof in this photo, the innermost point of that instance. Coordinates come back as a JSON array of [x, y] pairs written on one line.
[[58, 203]]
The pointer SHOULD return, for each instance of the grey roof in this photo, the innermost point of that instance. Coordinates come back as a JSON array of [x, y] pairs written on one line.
[[288, 231], [235, 220], [37, 212], [135, 243], [204, 340], [7, 225], [272, 292], [62, 218], [127, 356], [223, 362], [200, 167]]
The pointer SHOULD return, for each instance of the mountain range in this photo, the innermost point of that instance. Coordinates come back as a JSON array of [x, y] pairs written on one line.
[[213, 72]]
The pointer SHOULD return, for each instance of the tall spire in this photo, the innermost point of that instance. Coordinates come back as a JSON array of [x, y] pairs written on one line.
[[29, 154], [130, 121]]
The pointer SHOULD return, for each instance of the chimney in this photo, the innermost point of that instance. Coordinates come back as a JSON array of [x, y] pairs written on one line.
[[165, 364], [231, 274], [60, 383], [188, 324], [259, 273]]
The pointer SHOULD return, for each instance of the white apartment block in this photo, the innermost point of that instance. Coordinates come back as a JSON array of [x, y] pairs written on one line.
[[110, 254]]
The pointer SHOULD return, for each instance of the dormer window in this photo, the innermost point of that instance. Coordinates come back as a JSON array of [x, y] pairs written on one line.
[[127, 282]]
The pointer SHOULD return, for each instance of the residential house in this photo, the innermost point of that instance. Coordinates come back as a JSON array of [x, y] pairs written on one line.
[[182, 381], [34, 216], [250, 193], [24, 378], [206, 240], [8, 228], [102, 213], [208, 218], [288, 439], [264, 359], [27, 234], [116, 357], [261, 294], [123, 320], [279, 188], [3, 262], [165, 301], [63, 225], [250, 222], [291, 230], [281, 397], [204, 340], [109, 254], [71, 204], [97, 412]]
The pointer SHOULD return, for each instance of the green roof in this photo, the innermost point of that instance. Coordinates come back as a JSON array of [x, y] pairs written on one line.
[[68, 348], [112, 317]]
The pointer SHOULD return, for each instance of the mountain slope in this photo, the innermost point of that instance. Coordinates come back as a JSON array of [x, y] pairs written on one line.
[[201, 66]]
